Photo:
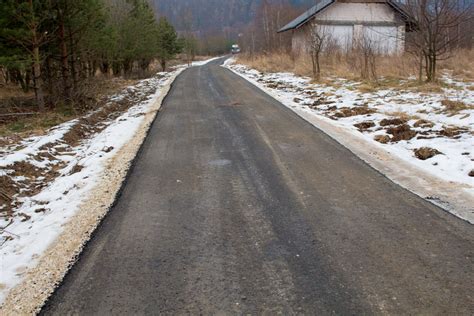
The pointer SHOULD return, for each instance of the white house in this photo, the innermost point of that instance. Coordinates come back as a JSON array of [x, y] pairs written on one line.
[[383, 23]]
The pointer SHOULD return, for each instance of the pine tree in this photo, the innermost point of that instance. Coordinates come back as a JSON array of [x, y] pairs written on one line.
[[64, 42], [21, 37], [168, 44]]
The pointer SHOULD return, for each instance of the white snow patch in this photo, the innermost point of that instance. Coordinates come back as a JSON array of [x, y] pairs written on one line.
[[204, 62]]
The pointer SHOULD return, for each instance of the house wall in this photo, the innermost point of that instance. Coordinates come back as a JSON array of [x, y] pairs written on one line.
[[350, 22], [362, 12]]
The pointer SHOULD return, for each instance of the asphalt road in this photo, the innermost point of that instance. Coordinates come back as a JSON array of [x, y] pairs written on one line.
[[235, 205]]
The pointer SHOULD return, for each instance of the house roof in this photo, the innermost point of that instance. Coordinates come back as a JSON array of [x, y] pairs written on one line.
[[321, 5], [306, 16]]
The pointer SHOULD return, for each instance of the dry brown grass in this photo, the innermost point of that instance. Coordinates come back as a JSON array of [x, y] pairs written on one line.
[[461, 64], [333, 65], [276, 62], [405, 117], [453, 107], [366, 88], [425, 88], [392, 71], [36, 124], [11, 91]]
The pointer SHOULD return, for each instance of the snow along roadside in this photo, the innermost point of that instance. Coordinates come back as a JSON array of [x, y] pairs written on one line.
[[40, 280], [454, 197]]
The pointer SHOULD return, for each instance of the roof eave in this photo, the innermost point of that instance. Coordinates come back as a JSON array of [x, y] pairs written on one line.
[[289, 26], [410, 24]]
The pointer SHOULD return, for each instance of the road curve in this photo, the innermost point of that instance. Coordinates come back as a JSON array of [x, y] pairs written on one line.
[[235, 205]]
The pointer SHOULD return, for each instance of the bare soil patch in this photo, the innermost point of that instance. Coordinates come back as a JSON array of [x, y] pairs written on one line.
[[424, 153]]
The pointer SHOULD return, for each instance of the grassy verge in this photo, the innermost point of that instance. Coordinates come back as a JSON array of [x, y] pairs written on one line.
[[392, 71]]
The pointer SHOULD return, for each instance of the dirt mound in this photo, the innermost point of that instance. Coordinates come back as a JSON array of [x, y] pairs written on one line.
[[321, 101], [424, 153], [347, 112], [383, 139], [395, 121], [452, 132], [401, 132], [423, 124], [364, 125]]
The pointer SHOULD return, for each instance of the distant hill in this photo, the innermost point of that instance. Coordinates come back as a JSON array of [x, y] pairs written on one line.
[[215, 15]]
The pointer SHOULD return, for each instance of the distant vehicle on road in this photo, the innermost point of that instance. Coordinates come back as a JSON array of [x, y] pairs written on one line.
[[235, 49]]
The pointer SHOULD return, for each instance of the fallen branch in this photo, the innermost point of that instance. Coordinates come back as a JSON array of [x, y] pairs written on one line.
[[5, 195]]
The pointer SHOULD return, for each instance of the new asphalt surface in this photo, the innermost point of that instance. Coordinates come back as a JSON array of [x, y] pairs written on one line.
[[237, 206]]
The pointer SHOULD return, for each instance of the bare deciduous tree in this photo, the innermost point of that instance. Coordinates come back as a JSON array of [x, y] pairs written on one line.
[[436, 33], [261, 35], [366, 49], [319, 39]]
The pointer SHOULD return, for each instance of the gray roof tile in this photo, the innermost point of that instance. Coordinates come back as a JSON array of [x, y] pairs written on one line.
[[302, 19]]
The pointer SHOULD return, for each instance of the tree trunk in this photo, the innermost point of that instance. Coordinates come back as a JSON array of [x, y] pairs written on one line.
[[127, 66], [64, 57], [4, 75], [163, 64], [17, 78], [318, 67], [433, 68], [38, 81], [27, 80], [72, 59], [116, 68], [49, 76], [104, 68], [420, 69]]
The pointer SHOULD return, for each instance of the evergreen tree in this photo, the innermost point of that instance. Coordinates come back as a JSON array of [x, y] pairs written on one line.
[[189, 45], [21, 36], [140, 48], [168, 44], [59, 44]]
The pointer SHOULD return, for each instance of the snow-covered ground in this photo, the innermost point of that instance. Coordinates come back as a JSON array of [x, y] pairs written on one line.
[[203, 62], [435, 126], [54, 174]]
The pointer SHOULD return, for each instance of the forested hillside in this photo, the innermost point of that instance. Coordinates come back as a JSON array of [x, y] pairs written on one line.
[[216, 15]]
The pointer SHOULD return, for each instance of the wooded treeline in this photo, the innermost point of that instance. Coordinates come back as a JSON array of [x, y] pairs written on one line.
[[261, 36], [53, 46]]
